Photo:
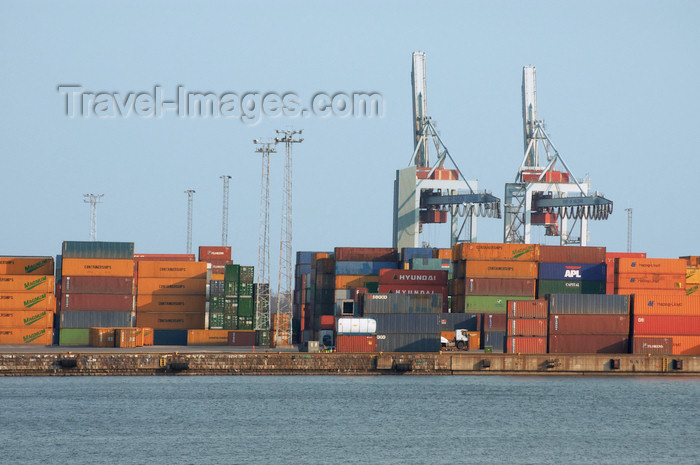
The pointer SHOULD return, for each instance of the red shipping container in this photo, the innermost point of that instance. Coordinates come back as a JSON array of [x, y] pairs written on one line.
[[527, 327], [528, 308], [497, 286], [652, 345], [589, 324], [588, 344], [421, 277], [345, 343], [326, 322], [97, 302], [494, 322], [571, 254], [213, 252], [366, 254], [655, 325], [97, 285], [526, 345], [241, 338]]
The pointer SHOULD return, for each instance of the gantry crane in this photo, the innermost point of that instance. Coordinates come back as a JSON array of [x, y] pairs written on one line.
[[425, 193], [547, 193]]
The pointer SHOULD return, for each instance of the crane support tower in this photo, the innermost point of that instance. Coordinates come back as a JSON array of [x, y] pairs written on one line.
[[425, 193], [93, 200], [190, 196], [546, 193], [262, 294], [224, 218]]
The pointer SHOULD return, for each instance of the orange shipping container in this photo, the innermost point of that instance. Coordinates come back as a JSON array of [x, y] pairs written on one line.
[[692, 275], [685, 345], [28, 336], [656, 304], [147, 336], [444, 254], [496, 269], [207, 337], [354, 282], [494, 251], [26, 265], [650, 281], [171, 286], [650, 265], [170, 320], [26, 318], [125, 337], [101, 337], [667, 292], [217, 277], [692, 289], [27, 300], [172, 270], [170, 303], [97, 267], [26, 283]]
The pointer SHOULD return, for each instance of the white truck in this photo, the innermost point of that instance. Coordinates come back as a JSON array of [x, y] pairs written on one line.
[[459, 339]]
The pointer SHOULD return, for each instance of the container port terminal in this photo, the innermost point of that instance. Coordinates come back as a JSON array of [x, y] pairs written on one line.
[[105, 308]]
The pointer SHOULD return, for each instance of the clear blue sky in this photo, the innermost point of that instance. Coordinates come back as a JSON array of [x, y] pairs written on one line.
[[618, 86]]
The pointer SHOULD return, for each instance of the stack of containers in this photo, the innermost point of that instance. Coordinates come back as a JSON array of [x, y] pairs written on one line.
[[589, 324], [262, 336], [414, 282], [486, 277], [571, 270], [660, 276], [227, 307], [171, 298], [356, 335], [27, 303], [323, 289], [665, 324], [246, 298], [218, 257], [97, 288], [357, 267], [408, 332], [302, 272], [527, 327], [216, 300], [610, 267], [305, 283], [409, 254]]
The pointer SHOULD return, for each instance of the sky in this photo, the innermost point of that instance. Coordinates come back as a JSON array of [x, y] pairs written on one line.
[[617, 86]]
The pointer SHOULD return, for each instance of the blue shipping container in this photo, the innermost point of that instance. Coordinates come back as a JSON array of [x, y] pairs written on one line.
[[573, 271], [363, 268], [304, 257], [95, 249], [409, 253]]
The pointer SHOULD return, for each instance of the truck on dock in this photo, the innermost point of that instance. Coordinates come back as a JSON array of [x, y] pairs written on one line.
[[460, 339]]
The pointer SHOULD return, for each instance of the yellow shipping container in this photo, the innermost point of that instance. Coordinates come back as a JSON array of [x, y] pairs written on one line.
[[26, 265], [26, 283], [692, 275], [28, 336], [171, 286], [26, 318], [170, 303], [494, 251], [496, 269], [101, 337], [148, 269], [27, 300], [207, 337], [97, 267], [353, 282]]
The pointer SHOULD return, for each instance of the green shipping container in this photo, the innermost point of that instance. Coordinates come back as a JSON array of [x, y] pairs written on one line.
[[216, 320], [245, 289], [262, 338], [231, 288], [246, 323], [247, 274], [232, 273], [372, 288], [230, 322], [74, 337], [433, 264], [231, 304], [246, 307], [216, 304], [488, 303], [546, 286]]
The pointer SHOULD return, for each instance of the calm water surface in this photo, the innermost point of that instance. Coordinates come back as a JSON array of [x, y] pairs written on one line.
[[349, 420]]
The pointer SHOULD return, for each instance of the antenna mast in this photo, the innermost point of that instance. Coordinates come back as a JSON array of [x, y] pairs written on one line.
[[262, 295], [224, 219], [190, 195], [93, 200]]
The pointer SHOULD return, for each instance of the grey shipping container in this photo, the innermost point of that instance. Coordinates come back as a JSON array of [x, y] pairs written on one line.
[[217, 288], [452, 321], [594, 304], [419, 323], [403, 303], [408, 342], [95, 249], [494, 339], [82, 319]]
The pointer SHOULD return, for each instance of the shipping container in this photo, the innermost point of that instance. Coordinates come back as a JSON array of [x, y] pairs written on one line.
[[98, 285], [169, 337], [355, 326], [650, 281], [403, 303], [366, 254], [496, 286], [666, 292], [147, 336], [216, 288], [27, 301], [349, 343], [468, 321], [213, 252], [653, 325], [432, 264], [262, 338], [409, 342], [170, 303], [494, 322], [496, 269], [589, 304], [409, 253], [26, 266], [692, 275], [164, 257], [27, 283], [86, 319], [546, 287], [443, 254], [247, 274], [420, 277], [246, 306], [488, 304], [326, 322], [26, 336], [173, 286], [650, 265], [493, 251], [101, 337], [98, 249], [26, 318], [170, 320], [172, 270], [528, 309], [354, 282], [526, 345], [575, 254], [589, 324], [97, 267], [241, 338], [588, 344], [207, 337], [126, 337], [686, 345], [406, 322], [415, 289], [527, 327], [573, 271], [304, 257], [97, 302], [652, 345], [74, 337], [363, 268], [494, 339], [656, 304]]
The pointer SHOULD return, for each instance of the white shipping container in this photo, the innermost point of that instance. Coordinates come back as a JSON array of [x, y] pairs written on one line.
[[357, 326]]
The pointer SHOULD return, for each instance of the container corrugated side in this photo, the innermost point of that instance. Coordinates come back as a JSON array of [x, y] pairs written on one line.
[[170, 303], [589, 324], [348, 343], [657, 304], [421, 277], [164, 257], [589, 304], [26, 283], [588, 344], [409, 253], [207, 337], [526, 345], [175, 286], [572, 271], [26, 265], [98, 249], [101, 337], [354, 282], [406, 322], [363, 268], [409, 342], [495, 251], [27, 301], [650, 281], [26, 336], [98, 284], [546, 287], [653, 325], [241, 338], [83, 319], [360, 254], [650, 265], [686, 345], [468, 321], [74, 337], [527, 327], [26, 318], [488, 304], [577, 254], [653, 345], [169, 337], [170, 320], [214, 252], [528, 309], [433, 264], [496, 286], [97, 267], [494, 322], [97, 302], [403, 303], [496, 269], [172, 269], [494, 339]]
